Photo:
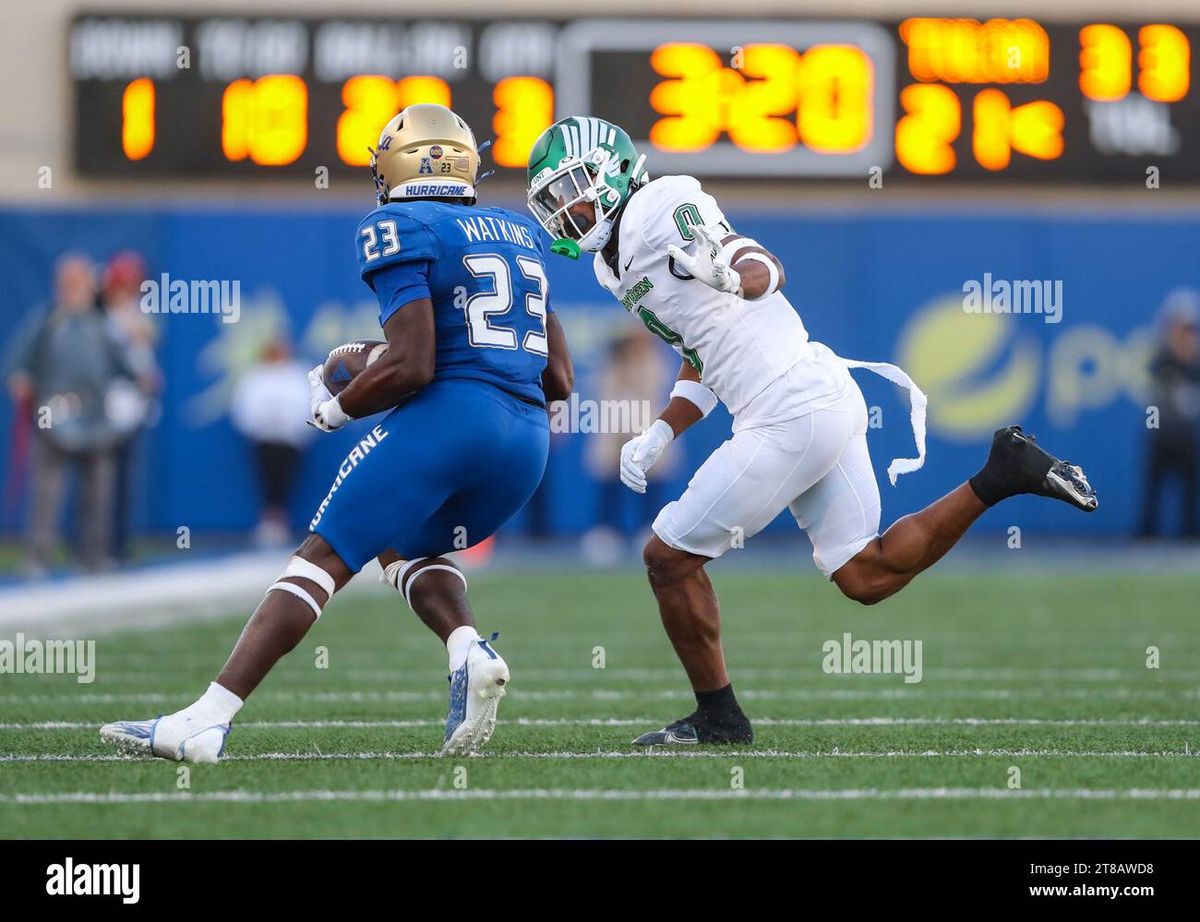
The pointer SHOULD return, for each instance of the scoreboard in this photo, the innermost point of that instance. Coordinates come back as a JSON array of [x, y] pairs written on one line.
[[992, 100]]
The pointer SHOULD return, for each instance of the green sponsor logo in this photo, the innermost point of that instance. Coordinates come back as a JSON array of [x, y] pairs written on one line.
[[636, 293]]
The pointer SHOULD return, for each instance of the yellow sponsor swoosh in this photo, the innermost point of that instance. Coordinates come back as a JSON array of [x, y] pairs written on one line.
[[944, 349]]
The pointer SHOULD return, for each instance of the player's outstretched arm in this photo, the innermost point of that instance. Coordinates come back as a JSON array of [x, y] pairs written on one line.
[[731, 263], [558, 380], [407, 366]]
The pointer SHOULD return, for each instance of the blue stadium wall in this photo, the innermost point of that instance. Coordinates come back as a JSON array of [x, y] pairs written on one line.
[[872, 287]]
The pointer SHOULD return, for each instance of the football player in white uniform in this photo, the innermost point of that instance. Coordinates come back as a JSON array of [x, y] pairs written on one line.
[[666, 252]]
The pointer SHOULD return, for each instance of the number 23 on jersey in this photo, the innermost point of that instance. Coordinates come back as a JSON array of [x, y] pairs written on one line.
[[485, 311]]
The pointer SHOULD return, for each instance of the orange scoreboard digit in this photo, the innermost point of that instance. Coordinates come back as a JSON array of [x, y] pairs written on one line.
[[927, 97]]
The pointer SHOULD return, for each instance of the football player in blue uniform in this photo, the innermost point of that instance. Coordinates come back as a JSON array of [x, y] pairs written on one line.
[[474, 354]]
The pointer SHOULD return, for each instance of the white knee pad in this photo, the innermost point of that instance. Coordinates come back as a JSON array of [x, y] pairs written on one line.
[[298, 566], [394, 574]]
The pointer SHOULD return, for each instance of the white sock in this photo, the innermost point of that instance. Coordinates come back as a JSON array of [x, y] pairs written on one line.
[[217, 705], [458, 643]]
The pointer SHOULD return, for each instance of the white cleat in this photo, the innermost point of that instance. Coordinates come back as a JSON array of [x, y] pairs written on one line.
[[476, 688], [177, 736]]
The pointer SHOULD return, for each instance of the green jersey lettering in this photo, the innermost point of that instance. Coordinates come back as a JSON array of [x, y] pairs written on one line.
[[669, 336]]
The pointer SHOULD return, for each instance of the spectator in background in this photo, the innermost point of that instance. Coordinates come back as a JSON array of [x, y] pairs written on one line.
[[1173, 449], [271, 408], [634, 373], [134, 406], [63, 368]]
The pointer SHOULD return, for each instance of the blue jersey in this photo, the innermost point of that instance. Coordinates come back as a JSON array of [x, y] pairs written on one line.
[[484, 271]]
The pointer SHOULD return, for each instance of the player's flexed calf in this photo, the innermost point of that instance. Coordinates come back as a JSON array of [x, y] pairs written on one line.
[[666, 252], [473, 354]]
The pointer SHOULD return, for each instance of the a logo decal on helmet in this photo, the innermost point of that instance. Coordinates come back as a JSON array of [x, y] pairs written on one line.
[[604, 159]]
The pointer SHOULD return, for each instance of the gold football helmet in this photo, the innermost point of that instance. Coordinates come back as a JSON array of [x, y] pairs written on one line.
[[425, 151]]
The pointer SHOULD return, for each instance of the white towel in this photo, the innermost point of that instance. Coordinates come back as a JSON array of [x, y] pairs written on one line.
[[916, 414]]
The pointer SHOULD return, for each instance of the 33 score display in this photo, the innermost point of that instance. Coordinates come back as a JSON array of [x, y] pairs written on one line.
[[923, 97]]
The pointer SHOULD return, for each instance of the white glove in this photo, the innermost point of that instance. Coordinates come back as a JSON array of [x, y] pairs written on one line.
[[641, 452], [327, 413], [708, 265]]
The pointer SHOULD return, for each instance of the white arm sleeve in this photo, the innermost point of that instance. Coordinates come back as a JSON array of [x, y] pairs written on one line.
[[699, 394]]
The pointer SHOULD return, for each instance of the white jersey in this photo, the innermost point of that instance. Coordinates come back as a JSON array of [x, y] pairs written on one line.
[[741, 348]]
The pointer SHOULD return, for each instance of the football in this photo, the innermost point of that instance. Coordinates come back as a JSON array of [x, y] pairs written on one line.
[[348, 361]]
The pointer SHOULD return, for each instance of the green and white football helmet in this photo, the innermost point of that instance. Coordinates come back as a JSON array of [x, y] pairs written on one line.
[[582, 159]]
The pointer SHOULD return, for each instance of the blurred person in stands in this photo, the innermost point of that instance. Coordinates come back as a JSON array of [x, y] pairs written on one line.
[[63, 366], [270, 408], [634, 377], [132, 404], [1173, 448]]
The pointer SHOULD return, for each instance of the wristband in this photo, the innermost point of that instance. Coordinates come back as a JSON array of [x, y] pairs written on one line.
[[772, 269], [730, 249]]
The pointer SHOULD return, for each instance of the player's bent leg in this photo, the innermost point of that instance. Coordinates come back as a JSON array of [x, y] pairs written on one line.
[[291, 606], [441, 603], [436, 590], [912, 544], [1015, 465], [463, 484], [841, 515], [687, 605], [742, 486]]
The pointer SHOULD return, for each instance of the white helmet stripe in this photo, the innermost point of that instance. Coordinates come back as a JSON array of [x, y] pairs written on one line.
[[583, 134]]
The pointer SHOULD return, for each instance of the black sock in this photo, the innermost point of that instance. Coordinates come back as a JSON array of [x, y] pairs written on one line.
[[720, 704], [989, 488]]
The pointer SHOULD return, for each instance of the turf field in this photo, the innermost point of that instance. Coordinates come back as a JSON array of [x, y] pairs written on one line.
[[1019, 671]]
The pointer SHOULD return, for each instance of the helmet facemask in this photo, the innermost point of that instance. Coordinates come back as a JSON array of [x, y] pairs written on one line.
[[381, 189], [574, 181]]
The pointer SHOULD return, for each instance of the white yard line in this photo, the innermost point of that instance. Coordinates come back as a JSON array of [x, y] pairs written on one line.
[[145, 668], [397, 696], [651, 721], [438, 794], [617, 754]]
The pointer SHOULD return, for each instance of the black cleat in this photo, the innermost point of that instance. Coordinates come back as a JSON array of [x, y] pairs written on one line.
[[696, 729], [1016, 464]]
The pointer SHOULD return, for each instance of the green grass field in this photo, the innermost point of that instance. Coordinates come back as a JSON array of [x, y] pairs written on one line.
[[1020, 670]]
